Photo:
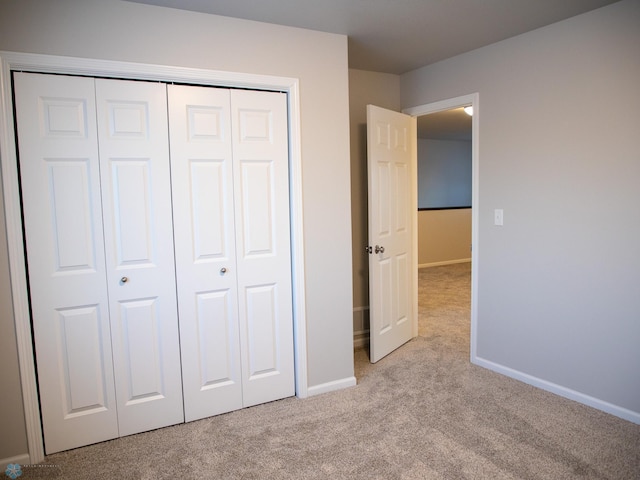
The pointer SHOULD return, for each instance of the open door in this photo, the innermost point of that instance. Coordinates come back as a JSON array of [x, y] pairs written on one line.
[[392, 163]]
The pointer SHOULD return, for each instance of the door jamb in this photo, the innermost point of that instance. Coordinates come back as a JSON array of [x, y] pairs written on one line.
[[456, 102], [12, 61]]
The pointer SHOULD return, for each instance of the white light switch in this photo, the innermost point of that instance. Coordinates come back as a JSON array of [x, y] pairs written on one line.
[[498, 217]]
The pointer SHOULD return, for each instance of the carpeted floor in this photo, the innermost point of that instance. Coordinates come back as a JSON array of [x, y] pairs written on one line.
[[423, 412]]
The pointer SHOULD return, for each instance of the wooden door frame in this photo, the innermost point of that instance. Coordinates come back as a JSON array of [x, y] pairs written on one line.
[[12, 61], [472, 99]]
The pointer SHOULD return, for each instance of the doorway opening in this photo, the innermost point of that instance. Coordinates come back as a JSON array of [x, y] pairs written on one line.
[[454, 276], [444, 226]]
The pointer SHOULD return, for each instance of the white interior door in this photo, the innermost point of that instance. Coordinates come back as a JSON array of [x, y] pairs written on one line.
[[391, 150], [60, 181], [229, 154], [138, 229], [202, 183], [261, 187]]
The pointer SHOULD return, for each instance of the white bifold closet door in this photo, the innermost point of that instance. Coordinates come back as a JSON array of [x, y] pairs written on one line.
[[138, 232], [229, 161], [133, 332], [97, 216], [60, 178]]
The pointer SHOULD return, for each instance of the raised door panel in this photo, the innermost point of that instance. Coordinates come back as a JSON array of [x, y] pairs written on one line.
[[136, 195], [382, 175], [60, 183], [401, 289], [215, 365], [261, 180], [140, 331], [202, 183], [131, 192], [381, 297], [262, 331]]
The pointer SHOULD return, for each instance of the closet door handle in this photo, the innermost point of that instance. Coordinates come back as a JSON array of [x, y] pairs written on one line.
[[223, 270], [124, 279]]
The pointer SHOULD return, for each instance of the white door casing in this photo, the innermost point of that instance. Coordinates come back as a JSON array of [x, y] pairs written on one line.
[[391, 150], [64, 241], [136, 194], [439, 106]]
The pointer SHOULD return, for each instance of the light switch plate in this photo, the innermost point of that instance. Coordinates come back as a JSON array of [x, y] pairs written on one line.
[[498, 217]]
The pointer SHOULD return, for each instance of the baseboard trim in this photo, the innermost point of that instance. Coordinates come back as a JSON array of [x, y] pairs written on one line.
[[360, 338], [19, 459], [565, 392], [445, 262], [331, 386]]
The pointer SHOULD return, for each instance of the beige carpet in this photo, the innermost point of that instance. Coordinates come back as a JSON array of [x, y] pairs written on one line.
[[424, 412]]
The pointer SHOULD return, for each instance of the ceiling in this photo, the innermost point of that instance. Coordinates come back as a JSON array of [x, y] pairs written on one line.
[[452, 124], [396, 36]]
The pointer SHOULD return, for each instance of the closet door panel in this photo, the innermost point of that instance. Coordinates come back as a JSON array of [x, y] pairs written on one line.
[[261, 166], [215, 363], [140, 330], [136, 195], [257, 203], [131, 191], [60, 184], [262, 330], [202, 183], [209, 220]]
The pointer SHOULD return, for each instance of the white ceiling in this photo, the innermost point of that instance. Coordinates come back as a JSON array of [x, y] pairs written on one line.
[[396, 36]]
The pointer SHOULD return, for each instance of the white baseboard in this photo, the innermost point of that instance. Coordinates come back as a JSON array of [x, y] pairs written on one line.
[[360, 326], [331, 386], [360, 338], [19, 459], [596, 403], [445, 262]]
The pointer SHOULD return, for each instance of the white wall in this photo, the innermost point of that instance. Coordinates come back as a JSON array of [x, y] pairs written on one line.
[[558, 296], [123, 31], [444, 173]]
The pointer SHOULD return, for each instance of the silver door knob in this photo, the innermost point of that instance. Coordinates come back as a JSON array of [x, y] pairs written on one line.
[[379, 249], [124, 279], [223, 270]]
